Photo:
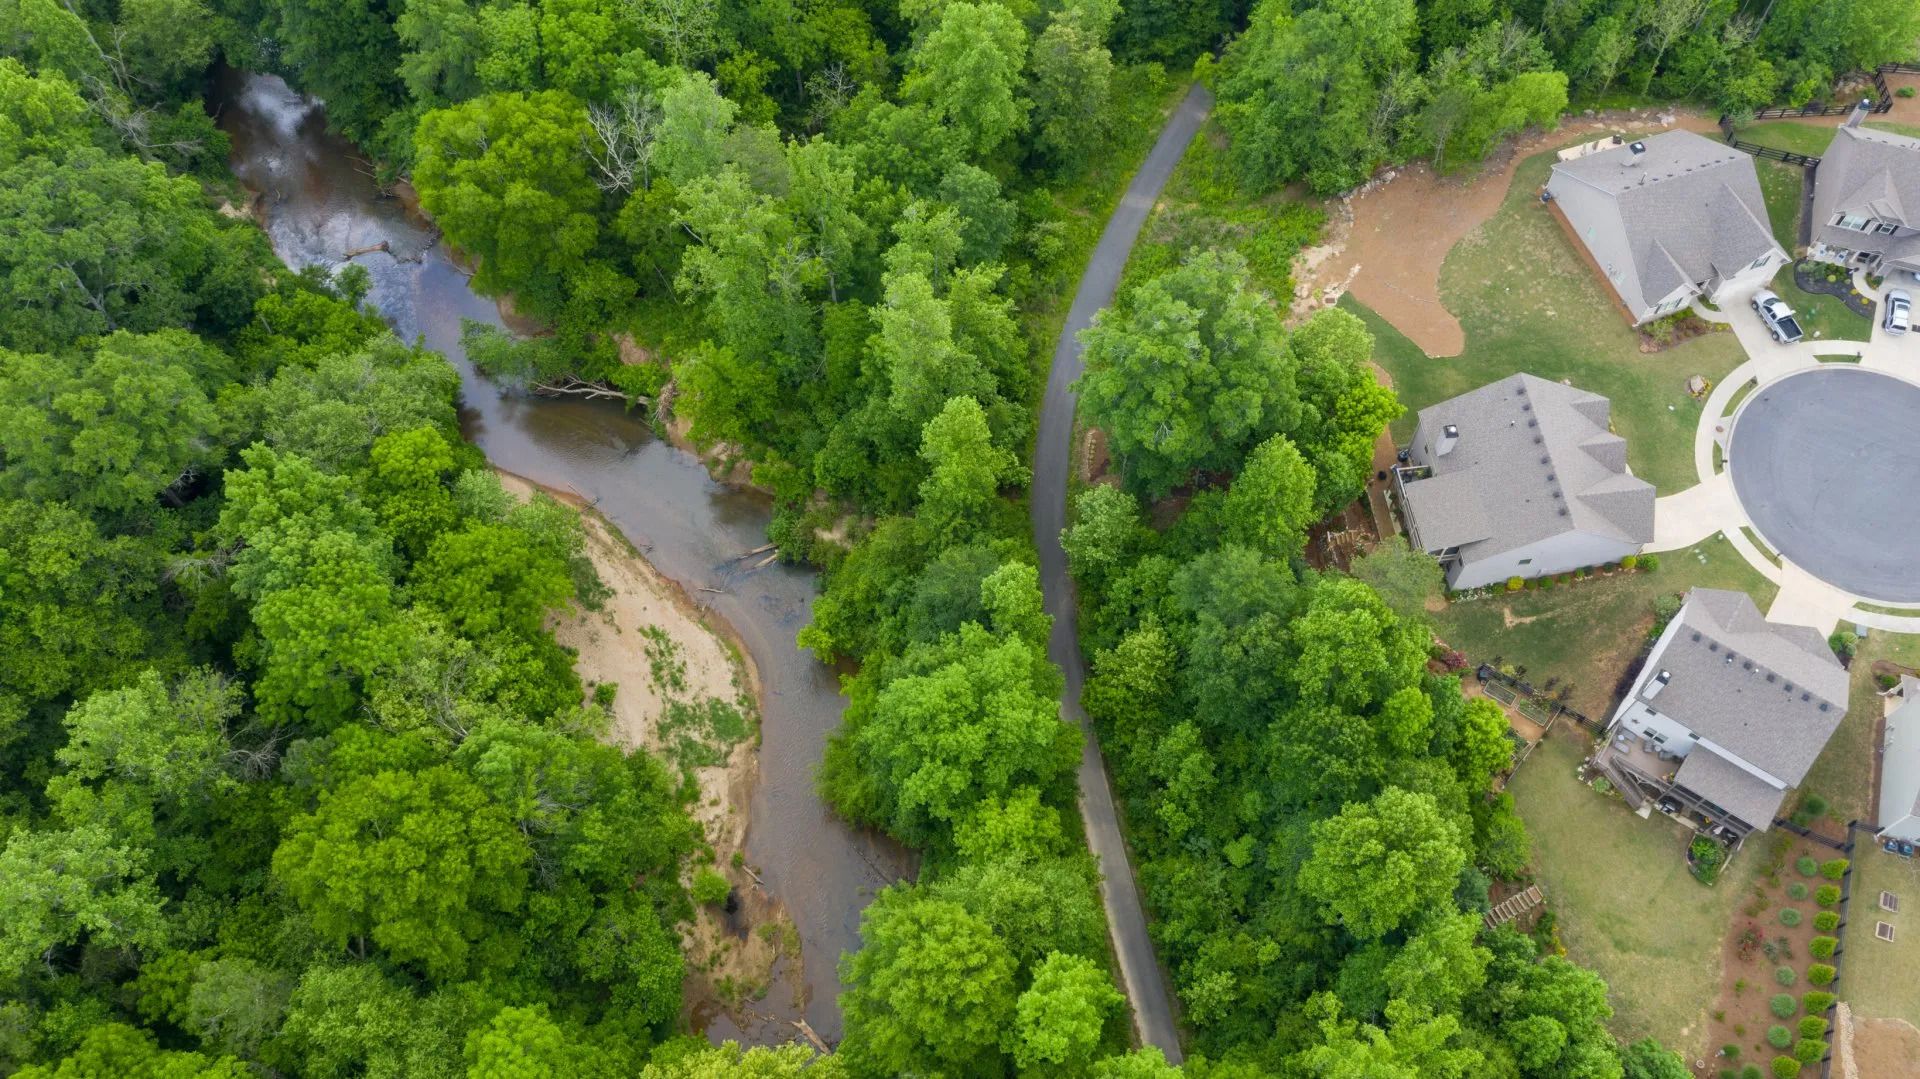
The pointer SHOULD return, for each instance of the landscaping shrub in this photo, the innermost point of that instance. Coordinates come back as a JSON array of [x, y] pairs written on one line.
[[1532, 583], [1821, 974], [1822, 947], [710, 888], [1834, 869], [1809, 1050], [1827, 895], [1785, 1067], [1630, 561], [1796, 890], [1904, 91], [1785, 975], [1546, 582], [1649, 562], [1826, 921], [1817, 1002], [1515, 584], [1706, 856], [1789, 917], [1779, 1037], [1807, 865], [1783, 1005], [1752, 1071], [1731, 1052], [1813, 1027]]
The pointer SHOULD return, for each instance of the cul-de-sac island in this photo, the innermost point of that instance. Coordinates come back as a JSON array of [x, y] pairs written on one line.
[[1128, 539]]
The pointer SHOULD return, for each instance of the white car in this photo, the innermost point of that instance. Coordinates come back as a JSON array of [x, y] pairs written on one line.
[[1899, 312]]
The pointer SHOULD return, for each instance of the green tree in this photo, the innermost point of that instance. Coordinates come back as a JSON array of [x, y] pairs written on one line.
[[523, 1043], [1059, 1019], [1405, 579], [931, 988], [965, 471], [1270, 504], [967, 70], [1071, 77], [235, 1004], [1376, 864], [60, 887], [417, 862], [1191, 373], [729, 1061]]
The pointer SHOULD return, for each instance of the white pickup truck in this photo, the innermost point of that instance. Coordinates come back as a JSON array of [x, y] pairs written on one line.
[[1778, 317]]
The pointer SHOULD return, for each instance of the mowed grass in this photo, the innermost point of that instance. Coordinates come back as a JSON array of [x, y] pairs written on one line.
[[1822, 317], [1843, 774], [1529, 302], [1782, 186], [1879, 978], [1809, 139], [1623, 899], [1586, 633]]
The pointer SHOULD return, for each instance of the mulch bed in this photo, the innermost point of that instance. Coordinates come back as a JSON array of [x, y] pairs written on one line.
[[1675, 328], [1812, 277]]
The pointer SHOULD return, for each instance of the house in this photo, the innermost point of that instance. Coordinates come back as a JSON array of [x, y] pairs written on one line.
[[1667, 219], [1866, 200], [1900, 765], [1726, 716], [1521, 478]]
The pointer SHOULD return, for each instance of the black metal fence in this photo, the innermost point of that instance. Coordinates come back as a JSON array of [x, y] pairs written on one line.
[[1881, 102]]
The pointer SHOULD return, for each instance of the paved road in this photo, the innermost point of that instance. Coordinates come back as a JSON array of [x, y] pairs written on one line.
[[1146, 986], [1820, 460]]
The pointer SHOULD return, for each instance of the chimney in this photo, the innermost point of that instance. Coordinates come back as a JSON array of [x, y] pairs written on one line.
[[1635, 153], [1449, 435], [1656, 684], [1860, 112]]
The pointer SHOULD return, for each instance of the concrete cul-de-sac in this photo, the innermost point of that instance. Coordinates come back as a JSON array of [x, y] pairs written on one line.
[[1818, 462]]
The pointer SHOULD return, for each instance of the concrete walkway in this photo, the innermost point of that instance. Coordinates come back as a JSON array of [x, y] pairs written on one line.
[[1691, 516]]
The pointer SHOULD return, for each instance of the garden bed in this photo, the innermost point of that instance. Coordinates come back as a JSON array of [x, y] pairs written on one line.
[[1674, 329], [1826, 279]]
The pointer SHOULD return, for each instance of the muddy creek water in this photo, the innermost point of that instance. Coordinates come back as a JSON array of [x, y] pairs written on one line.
[[319, 202]]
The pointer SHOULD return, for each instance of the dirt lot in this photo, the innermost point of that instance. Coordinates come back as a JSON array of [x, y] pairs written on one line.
[[1880, 1049]]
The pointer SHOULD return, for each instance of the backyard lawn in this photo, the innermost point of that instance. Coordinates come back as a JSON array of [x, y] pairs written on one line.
[[1623, 900], [1809, 139], [1781, 186], [1587, 632], [1844, 773], [1529, 302], [1879, 978]]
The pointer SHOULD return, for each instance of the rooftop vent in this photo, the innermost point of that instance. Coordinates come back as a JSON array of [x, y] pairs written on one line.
[[1550, 477], [1788, 687], [1526, 408], [1537, 440], [1655, 684], [1806, 696], [1533, 423], [1449, 435], [1635, 151], [1696, 634], [1746, 665], [1548, 459], [1712, 646], [1824, 706], [1772, 678]]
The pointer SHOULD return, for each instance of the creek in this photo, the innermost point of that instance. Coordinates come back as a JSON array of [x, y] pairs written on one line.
[[317, 200]]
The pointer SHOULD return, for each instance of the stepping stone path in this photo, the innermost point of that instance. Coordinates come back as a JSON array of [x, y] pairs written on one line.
[[1514, 906]]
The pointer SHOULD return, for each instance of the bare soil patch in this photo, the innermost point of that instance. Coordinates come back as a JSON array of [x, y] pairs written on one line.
[[1393, 236], [1881, 1049]]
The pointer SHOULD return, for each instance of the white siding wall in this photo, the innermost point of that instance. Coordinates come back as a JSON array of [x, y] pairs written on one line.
[[1750, 278], [1651, 669], [1560, 554], [1900, 773], [1595, 218]]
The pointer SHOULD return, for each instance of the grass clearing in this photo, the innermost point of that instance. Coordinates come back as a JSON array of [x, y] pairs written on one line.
[[1622, 898], [1878, 979], [1529, 302], [1843, 774], [1809, 139], [1586, 633]]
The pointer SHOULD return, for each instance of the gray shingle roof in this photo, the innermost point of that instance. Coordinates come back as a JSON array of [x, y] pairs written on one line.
[[1690, 207], [1867, 171], [1534, 460], [1899, 794], [1768, 693], [1730, 787]]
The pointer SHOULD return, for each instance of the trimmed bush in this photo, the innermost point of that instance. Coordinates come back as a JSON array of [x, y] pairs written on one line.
[[1813, 1027], [1649, 562], [1826, 921], [1821, 974], [1630, 561], [1789, 917], [1817, 1002], [1779, 1037], [1827, 895], [1822, 947], [1752, 1071], [1546, 582], [1809, 1050], [710, 888], [1834, 869], [1806, 864], [1785, 975], [1783, 1005], [1796, 890], [1515, 584], [1785, 1067], [1731, 1052]]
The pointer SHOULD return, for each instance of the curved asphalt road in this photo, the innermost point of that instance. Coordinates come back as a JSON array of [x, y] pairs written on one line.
[[1146, 985]]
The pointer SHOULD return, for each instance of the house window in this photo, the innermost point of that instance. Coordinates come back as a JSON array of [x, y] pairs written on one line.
[[1856, 222], [1888, 228], [1864, 256], [1759, 262], [1526, 561]]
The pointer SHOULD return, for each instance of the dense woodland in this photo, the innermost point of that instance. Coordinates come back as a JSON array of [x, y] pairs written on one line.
[[296, 780]]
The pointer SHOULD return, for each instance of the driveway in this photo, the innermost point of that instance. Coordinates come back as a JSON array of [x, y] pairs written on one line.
[[1153, 1015], [1824, 462]]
